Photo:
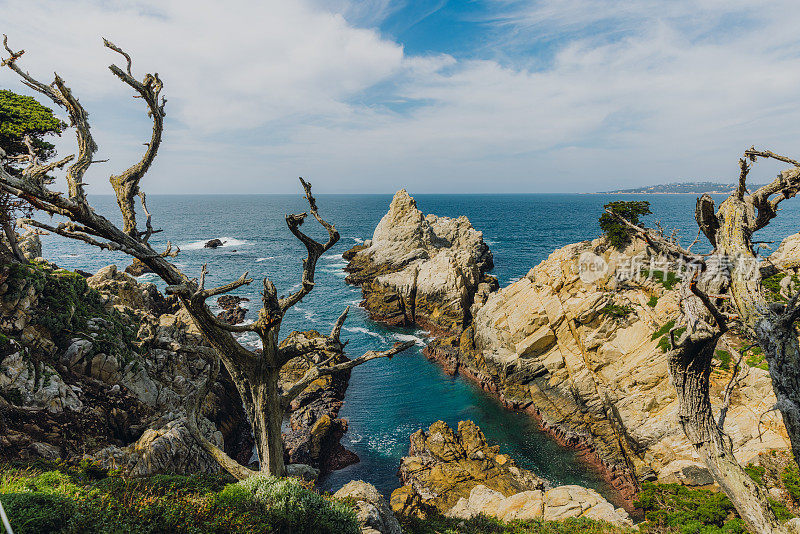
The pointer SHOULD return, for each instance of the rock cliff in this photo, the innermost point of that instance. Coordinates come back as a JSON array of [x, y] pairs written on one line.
[[585, 357], [423, 270]]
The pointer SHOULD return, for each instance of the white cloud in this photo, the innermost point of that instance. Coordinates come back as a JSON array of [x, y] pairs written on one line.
[[261, 92]]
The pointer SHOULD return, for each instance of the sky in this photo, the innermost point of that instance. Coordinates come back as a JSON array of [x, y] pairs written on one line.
[[470, 96]]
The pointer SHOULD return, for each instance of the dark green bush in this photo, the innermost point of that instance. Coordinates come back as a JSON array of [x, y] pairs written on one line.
[[618, 234], [791, 481], [37, 513], [691, 511], [616, 311]]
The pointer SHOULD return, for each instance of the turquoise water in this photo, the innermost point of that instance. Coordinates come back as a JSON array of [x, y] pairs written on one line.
[[388, 400]]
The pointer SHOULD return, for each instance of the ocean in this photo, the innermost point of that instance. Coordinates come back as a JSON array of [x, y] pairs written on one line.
[[388, 400]]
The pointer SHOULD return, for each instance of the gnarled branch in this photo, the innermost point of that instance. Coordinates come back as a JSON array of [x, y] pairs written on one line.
[[318, 371], [315, 249], [126, 185]]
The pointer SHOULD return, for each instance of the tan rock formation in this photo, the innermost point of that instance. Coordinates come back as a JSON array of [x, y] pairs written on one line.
[[420, 269], [582, 355]]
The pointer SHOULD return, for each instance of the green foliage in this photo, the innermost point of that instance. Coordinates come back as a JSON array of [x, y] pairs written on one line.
[[756, 472], [619, 235], [663, 333], [38, 513], [65, 305], [293, 508], [71, 499], [481, 524], [725, 359], [791, 481], [754, 357], [772, 286], [21, 115], [668, 279], [653, 301], [616, 311], [673, 507], [665, 328]]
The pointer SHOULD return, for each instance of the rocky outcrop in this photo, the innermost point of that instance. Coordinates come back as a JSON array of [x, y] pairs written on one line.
[[457, 473], [137, 268], [444, 466], [423, 270], [213, 243], [583, 354], [557, 504], [315, 431], [372, 510], [101, 357], [232, 312]]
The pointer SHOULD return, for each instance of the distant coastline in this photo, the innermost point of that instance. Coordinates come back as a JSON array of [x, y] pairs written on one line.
[[679, 188]]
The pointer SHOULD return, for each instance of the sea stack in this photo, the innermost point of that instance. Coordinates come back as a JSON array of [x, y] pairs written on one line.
[[421, 270]]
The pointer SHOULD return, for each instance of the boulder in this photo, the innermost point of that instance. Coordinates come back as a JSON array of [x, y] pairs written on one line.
[[213, 243], [562, 502], [372, 510], [137, 268]]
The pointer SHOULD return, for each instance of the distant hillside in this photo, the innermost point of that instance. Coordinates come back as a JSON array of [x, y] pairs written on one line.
[[689, 188]]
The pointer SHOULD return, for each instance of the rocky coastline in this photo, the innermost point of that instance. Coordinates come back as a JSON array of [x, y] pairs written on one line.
[[581, 356], [99, 368]]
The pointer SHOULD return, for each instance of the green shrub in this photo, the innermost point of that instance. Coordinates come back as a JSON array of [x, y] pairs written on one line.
[[296, 509], [673, 506], [481, 524], [653, 301], [791, 481], [618, 234], [663, 330], [724, 358], [668, 279], [37, 513], [616, 311], [756, 472]]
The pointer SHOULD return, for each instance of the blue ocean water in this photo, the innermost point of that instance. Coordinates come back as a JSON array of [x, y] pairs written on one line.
[[387, 400]]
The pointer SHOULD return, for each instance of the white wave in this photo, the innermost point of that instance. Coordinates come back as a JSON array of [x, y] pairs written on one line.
[[227, 242], [333, 256], [513, 280], [250, 339], [357, 240], [355, 437], [362, 330], [409, 337], [69, 255], [265, 259], [490, 242]]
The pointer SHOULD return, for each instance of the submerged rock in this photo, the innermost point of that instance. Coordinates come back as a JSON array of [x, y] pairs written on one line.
[[422, 270]]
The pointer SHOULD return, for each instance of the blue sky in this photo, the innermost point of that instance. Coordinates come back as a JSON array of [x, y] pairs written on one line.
[[435, 96]]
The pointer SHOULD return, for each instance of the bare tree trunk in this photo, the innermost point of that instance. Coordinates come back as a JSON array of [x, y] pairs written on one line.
[[690, 368]]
